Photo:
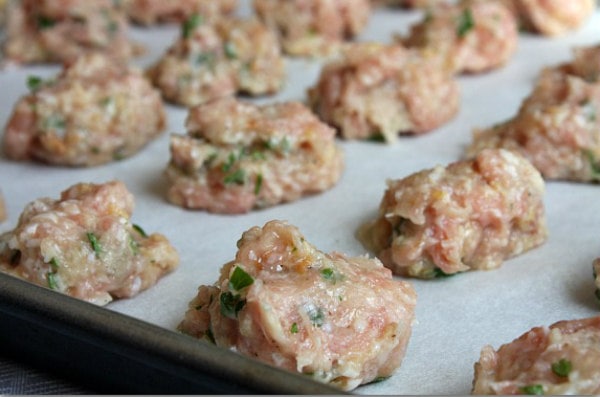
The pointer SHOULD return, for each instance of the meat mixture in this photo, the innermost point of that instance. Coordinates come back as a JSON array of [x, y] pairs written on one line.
[[150, 12], [340, 320], [238, 156], [558, 126], [376, 91], [556, 360], [314, 27], [470, 215], [84, 245], [213, 60], [474, 35], [96, 111], [61, 30], [552, 17]]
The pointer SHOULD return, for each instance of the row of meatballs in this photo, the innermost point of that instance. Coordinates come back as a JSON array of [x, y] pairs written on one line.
[[342, 320], [59, 30], [237, 156]]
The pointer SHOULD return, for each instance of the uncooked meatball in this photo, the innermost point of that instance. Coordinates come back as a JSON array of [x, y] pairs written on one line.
[[340, 320], [85, 245], [469, 215]]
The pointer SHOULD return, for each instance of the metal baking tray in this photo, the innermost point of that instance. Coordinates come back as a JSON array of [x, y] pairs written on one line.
[[113, 353]]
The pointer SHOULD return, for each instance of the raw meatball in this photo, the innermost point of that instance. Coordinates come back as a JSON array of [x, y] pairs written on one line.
[[558, 126], [314, 27], [552, 17], [84, 245], [149, 12], [238, 156], [561, 359], [596, 266], [62, 30], [377, 91], [341, 320], [470, 215], [215, 60], [474, 35], [96, 111]]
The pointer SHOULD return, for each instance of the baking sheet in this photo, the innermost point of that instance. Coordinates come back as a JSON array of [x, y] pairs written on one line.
[[455, 316]]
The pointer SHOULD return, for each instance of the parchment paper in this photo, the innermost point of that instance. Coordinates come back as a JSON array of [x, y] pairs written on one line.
[[455, 316]]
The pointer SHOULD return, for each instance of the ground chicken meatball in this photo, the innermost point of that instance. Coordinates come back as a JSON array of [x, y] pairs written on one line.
[[62, 30], [314, 27], [96, 111], [84, 245], [469, 215], [238, 156], [557, 360], [474, 35], [558, 126], [551, 17], [219, 59], [149, 12], [341, 320], [376, 91]]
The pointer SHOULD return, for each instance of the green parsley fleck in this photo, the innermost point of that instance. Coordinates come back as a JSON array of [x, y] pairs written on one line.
[[377, 137], [536, 390], [316, 316], [327, 273], [238, 177], [55, 122], [133, 245], [94, 243], [436, 272], [231, 159], [465, 23], [258, 184], [380, 379], [52, 282], [54, 264], [594, 164], [231, 304], [294, 328], [230, 50], [205, 58], [119, 154], [107, 102], [562, 367], [34, 83], [240, 279], [257, 156], [43, 22], [190, 24], [282, 145], [139, 229]]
